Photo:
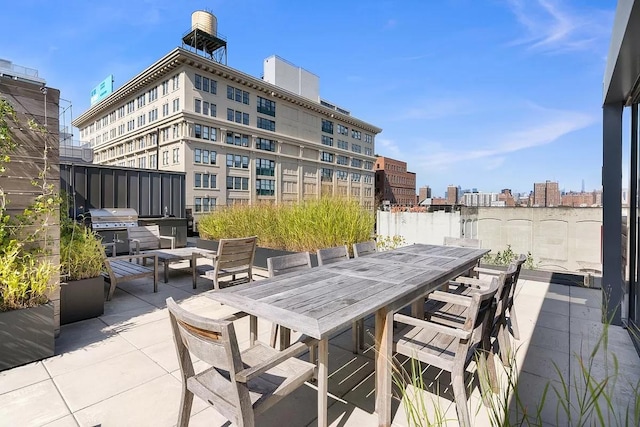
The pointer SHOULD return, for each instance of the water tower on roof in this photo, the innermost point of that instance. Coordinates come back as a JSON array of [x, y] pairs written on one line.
[[203, 37]]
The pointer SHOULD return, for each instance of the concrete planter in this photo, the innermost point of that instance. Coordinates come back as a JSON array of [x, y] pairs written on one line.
[[26, 335], [262, 254], [81, 299]]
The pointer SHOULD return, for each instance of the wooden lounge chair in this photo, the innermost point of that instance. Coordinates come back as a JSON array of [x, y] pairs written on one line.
[[239, 385], [282, 265], [234, 257], [121, 268], [451, 348], [146, 237]]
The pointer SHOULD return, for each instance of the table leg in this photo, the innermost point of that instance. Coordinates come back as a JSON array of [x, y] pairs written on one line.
[[166, 271], [383, 355], [285, 338], [253, 330], [323, 381]]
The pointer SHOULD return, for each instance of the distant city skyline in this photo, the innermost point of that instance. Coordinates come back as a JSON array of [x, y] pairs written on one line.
[[486, 94]]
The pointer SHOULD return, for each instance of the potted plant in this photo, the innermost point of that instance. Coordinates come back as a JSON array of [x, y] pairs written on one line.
[[81, 281], [28, 265]]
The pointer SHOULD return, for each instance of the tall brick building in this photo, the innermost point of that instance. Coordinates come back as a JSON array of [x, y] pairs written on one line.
[[453, 195], [393, 182], [546, 194]]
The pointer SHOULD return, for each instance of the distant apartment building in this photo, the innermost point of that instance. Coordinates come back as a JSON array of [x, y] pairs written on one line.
[[453, 195], [546, 194], [478, 199], [240, 139], [583, 199], [506, 197], [393, 182], [424, 193]]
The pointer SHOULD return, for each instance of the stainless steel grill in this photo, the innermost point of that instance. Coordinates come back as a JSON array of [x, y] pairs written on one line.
[[112, 225]]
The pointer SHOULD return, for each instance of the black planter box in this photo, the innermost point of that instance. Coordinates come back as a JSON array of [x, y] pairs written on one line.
[[568, 279], [26, 335], [262, 254], [81, 299]]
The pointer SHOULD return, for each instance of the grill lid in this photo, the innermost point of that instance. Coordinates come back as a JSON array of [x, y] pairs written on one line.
[[113, 217]]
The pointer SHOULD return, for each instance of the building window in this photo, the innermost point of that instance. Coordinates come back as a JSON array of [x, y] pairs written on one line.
[[198, 106], [237, 183], [175, 80], [368, 165], [326, 157], [165, 157], [341, 175], [141, 120], [356, 134], [237, 161], [165, 87], [153, 115], [165, 109], [342, 160], [204, 204], [205, 157], [356, 148], [343, 130], [176, 105], [198, 82], [265, 167], [326, 174], [265, 144], [131, 106], [237, 95], [327, 140], [237, 116], [121, 112], [266, 124], [153, 161], [176, 155], [266, 106], [356, 163], [265, 187], [343, 144], [240, 140], [367, 179], [327, 126], [153, 94], [355, 177], [368, 151], [141, 100], [368, 138]]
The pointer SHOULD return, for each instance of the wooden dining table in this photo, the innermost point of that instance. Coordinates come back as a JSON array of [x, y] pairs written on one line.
[[321, 301]]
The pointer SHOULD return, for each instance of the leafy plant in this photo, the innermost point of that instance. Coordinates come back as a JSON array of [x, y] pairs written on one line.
[[25, 273], [306, 226], [81, 252], [387, 243], [506, 257]]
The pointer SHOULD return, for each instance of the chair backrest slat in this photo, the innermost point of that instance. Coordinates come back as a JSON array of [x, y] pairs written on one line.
[[364, 248], [147, 235], [236, 253], [331, 255], [288, 263]]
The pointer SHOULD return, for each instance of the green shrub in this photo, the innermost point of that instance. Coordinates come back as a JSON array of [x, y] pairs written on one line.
[[506, 257], [81, 252], [306, 226]]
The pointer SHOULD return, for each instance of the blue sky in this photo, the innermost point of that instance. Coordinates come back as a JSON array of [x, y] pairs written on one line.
[[488, 94]]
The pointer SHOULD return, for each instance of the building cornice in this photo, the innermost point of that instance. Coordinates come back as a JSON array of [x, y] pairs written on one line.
[[179, 57]]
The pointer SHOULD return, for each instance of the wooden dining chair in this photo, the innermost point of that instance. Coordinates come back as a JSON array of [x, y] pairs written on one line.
[[364, 248], [233, 257], [332, 255], [281, 265], [239, 385], [453, 347]]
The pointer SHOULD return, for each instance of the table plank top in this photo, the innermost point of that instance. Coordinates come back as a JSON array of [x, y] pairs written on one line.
[[326, 299], [178, 253]]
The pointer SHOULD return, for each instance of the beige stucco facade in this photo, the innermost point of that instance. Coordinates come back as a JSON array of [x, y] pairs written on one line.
[[252, 141]]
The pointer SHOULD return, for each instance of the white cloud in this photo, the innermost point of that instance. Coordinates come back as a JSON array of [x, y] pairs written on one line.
[[492, 149], [553, 26], [436, 109], [388, 148]]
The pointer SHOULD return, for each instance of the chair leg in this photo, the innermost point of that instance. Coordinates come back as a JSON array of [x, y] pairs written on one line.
[[185, 407], [274, 335], [253, 330], [460, 396], [361, 334], [484, 377], [514, 323]]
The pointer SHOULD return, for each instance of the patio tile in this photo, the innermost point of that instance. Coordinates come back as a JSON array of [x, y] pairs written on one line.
[[555, 321], [68, 421], [531, 288], [90, 354], [158, 299], [550, 339], [164, 354], [555, 306], [346, 370], [33, 405], [207, 418], [586, 296], [530, 389], [543, 362], [22, 376], [149, 333], [586, 312], [92, 384], [123, 301], [80, 334], [153, 403]]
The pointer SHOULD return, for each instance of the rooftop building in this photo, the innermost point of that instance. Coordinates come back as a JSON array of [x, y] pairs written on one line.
[[394, 183], [239, 138]]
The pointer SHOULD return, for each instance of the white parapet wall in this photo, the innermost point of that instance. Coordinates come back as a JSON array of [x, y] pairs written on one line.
[[419, 227], [559, 239]]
